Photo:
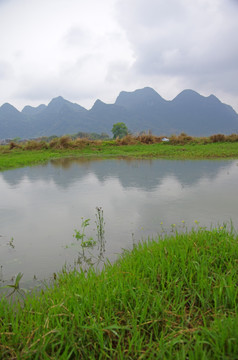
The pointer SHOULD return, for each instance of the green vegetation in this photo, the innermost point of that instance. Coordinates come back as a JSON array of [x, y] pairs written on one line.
[[142, 146], [119, 130], [170, 298], [16, 285], [175, 297], [90, 136]]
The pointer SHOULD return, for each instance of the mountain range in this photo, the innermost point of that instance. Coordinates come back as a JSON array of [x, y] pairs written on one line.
[[141, 110]]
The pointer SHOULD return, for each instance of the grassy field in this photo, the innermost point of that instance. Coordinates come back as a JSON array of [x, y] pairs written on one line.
[[18, 157], [169, 298]]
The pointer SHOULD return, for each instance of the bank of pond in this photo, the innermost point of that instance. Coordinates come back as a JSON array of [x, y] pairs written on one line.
[[173, 297], [182, 147]]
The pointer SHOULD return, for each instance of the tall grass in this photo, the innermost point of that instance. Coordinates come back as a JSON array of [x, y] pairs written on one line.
[[66, 142], [169, 298]]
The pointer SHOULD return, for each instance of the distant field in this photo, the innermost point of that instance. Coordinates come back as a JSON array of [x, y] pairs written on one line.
[[12, 156]]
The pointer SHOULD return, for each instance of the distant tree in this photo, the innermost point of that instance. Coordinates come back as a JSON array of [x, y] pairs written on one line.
[[90, 136], [119, 130]]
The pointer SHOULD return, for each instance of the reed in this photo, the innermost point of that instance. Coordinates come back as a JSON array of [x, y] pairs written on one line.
[[174, 297]]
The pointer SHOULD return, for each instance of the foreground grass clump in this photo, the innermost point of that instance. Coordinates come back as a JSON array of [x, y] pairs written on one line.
[[175, 298]]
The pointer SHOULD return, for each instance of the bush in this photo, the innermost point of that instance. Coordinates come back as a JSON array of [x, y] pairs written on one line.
[[182, 139], [35, 145], [127, 140], [149, 139], [14, 145], [232, 137], [80, 143], [217, 138], [63, 142]]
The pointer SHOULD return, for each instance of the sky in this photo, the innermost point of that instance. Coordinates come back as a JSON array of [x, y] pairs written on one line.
[[86, 50]]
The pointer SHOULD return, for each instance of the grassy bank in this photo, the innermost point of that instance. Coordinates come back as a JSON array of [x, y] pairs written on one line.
[[174, 298], [24, 156]]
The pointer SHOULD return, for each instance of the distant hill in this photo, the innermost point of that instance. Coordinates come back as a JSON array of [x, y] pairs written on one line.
[[141, 110]]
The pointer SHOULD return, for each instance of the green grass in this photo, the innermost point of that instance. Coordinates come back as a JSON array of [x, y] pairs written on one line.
[[20, 157], [170, 298]]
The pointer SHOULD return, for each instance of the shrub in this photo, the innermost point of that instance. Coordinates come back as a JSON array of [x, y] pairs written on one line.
[[35, 145], [127, 140], [232, 137], [14, 145], [63, 142], [217, 138], [54, 143], [81, 142], [149, 139]]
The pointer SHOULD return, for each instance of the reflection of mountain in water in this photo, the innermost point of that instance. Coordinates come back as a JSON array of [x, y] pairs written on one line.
[[142, 174]]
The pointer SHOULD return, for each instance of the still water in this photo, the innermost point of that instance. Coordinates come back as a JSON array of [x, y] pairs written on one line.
[[41, 206]]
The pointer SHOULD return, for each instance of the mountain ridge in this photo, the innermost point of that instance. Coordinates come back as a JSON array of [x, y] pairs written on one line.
[[141, 110]]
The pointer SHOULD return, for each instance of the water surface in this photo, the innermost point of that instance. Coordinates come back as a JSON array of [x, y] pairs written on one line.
[[41, 206]]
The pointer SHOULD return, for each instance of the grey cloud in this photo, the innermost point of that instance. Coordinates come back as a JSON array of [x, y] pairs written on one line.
[[43, 90], [6, 2], [6, 70], [195, 41], [77, 36], [37, 90], [115, 70], [149, 13]]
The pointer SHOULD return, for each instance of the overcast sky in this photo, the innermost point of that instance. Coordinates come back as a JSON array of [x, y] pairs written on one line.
[[89, 49]]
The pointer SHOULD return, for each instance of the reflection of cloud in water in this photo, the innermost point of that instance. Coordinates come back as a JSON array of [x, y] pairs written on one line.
[[170, 188], [41, 206], [208, 201]]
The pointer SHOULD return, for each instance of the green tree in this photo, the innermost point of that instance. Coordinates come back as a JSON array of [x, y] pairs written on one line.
[[119, 130]]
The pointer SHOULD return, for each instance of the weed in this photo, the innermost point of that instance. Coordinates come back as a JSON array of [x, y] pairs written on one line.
[[127, 140], [11, 243], [15, 286], [149, 139], [217, 138], [14, 145], [35, 145], [85, 258], [80, 235], [100, 223]]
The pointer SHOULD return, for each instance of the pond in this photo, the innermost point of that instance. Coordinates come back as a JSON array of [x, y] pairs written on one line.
[[42, 206]]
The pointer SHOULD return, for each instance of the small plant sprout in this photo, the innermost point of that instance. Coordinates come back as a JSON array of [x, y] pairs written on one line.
[[11, 244], [100, 223], [173, 227], [87, 243], [80, 235], [15, 286], [90, 242]]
